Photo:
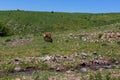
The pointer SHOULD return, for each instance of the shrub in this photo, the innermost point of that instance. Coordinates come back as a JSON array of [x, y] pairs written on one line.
[[8, 40], [5, 31], [118, 42], [100, 35], [104, 44]]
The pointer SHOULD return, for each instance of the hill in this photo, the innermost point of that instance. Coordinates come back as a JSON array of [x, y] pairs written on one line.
[[25, 22]]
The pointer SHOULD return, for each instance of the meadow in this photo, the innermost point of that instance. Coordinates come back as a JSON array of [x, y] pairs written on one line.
[[24, 55]]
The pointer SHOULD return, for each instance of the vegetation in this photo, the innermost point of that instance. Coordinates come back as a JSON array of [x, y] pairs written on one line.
[[23, 40], [5, 31], [28, 22]]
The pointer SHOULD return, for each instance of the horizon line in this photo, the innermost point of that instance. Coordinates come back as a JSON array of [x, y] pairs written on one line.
[[60, 11]]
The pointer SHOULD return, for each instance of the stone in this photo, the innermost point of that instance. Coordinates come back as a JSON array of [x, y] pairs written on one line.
[[83, 55], [83, 69], [83, 39], [94, 53], [17, 79], [68, 71], [17, 69]]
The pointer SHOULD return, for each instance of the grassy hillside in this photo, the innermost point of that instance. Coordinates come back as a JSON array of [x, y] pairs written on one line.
[[23, 22], [77, 38]]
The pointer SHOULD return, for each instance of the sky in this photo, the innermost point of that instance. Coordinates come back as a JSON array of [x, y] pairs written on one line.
[[84, 6]]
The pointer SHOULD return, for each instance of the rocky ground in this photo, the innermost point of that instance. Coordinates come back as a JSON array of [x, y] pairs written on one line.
[[58, 63], [80, 61], [109, 36], [65, 64]]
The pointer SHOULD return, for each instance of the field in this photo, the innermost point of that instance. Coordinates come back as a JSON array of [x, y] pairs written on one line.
[[80, 40]]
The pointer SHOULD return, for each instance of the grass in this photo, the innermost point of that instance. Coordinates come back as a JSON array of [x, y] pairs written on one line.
[[65, 28], [28, 22], [62, 44], [47, 75]]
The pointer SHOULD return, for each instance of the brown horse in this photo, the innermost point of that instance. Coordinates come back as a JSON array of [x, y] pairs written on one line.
[[47, 37]]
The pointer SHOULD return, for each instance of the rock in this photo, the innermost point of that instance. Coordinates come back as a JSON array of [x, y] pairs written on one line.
[[68, 71], [60, 69], [17, 69], [83, 55], [46, 58], [94, 67], [17, 79], [71, 34], [1, 69], [53, 59], [117, 62], [52, 78], [94, 53], [77, 54], [83, 69], [83, 39], [23, 78], [111, 36], [70, 58], [58, 58], [17, 59], [106, 66]]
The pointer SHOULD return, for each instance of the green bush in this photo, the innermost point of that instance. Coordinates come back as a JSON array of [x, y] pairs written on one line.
[[118, 42], [100, 35], [5, 31]]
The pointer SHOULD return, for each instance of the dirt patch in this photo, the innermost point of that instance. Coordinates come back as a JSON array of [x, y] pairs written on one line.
[[18, 41]]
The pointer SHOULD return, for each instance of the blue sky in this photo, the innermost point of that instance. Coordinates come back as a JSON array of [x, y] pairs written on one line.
[[87, 6]]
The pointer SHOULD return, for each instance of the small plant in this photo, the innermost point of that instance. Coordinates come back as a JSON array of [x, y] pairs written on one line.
[[5, 30], [118, 42], [98, 76], [44, 66], [8, 68], [100, 35], [108, 76], [104, 44], [36, 76], [42, 75], [45, 53], [91, 77], [66, 40], [8, 40]]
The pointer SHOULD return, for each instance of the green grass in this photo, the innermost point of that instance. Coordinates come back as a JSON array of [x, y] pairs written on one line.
[[32, 25], [62, 44], [28, 22], [48, 75]]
